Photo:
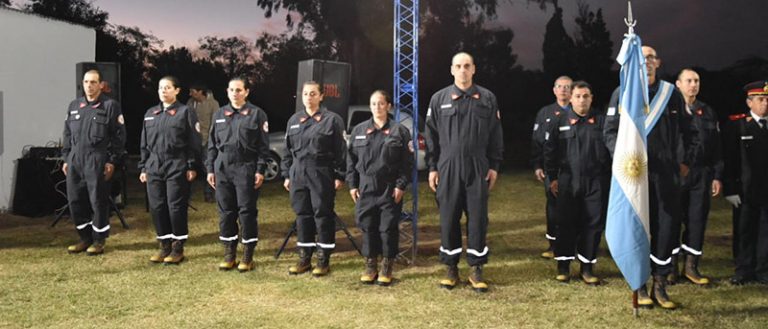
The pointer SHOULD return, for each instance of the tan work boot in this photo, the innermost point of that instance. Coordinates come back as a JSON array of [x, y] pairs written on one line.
[[451, 278], [643, 300], [563, 271], [247, 264], [476, 279], [659, 293], [323, 266], [385, 276], [371, 272], [230, 256], [165, 250], [97, 248], [79, 247], [692, 271], [587, 276], [177, 253], [304, 264]]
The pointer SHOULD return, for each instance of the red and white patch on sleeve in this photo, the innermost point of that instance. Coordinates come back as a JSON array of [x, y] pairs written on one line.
[[265, 126]]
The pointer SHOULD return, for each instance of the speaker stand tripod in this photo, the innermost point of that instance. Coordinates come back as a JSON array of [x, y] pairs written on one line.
[[339, 226]]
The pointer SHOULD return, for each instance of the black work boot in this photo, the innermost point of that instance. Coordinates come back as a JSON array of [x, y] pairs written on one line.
[[385, 276], [673, 277], [305, 262], [371, 271], [476, 279], [451, 277], [692, 271], [659, 293], [643, 300], [247, 263], [97, 248], [587, 276], [177, 253], [230, 256], [563, 271], [165, 250], [323, 263]]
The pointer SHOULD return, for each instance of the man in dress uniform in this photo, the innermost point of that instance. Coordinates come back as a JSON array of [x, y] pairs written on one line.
[[464, 151], [702, 183], [746, 176], [579, 168], [94, 143], [665, 171], [546, 114]]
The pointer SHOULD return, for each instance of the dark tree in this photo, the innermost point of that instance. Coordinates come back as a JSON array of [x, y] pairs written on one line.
[[76, 11], [235, 54], [594, 53], [558, 48], [5, 3]]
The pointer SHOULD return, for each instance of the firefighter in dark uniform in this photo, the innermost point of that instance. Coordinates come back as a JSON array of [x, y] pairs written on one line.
[[464, 151], [170, 150], [746, 176], [94, 143], [313, 168], [664, 179], [378, 171], [579, 168], [703, 182], [544, 117], [237, 146]]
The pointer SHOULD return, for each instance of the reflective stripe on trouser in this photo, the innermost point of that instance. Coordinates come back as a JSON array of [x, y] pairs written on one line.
[[664, 202], [551, 212], [237, 199], [88, 195], [463, 189], [695, 201], [753, 241], [581, 214], [378, 217], [312, 199], [169, 203]]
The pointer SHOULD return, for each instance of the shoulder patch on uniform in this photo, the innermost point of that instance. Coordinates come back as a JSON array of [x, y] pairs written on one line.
[[611, 111], [197, 126], [734, 117], [265, 126], [498, 115], [535, 126], [429, 111], [120, 119]]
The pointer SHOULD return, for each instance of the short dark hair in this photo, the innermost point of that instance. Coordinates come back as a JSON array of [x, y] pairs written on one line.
[[246, 83], [384, 93], [97, 72], [581, 84], [201, 87], [313, 83], [174, 80], [685, 69]]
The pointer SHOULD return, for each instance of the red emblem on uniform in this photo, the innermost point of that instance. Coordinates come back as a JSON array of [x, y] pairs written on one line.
[[476, 96], [245, 111], [172, 112], [228, 113], [735, 117], [95, 105], [454, 96], [700, 112], [386, 131], [318, 117], [573, 121], [302, 119], [156, 112], [82, 105], [369, 131], [591, 120], [557, 113]]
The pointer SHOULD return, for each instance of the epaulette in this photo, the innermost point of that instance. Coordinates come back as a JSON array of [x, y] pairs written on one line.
[[736, 117]]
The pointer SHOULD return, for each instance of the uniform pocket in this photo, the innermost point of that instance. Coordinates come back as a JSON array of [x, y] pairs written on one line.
[[98, 129]]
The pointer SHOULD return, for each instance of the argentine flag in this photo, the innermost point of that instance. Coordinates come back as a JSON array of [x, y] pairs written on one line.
[[627, 227]]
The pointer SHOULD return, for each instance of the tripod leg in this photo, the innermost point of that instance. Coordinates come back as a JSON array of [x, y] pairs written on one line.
[[343, 226], [117, 211], [59, 215], [285, 241]]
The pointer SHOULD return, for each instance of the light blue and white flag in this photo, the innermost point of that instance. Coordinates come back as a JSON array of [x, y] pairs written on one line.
[[627, 228]]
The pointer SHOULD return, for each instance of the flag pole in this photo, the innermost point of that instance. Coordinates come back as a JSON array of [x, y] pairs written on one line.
[[631, 22]]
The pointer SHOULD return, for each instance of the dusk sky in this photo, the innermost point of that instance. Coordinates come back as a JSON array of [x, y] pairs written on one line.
[[711, 33]]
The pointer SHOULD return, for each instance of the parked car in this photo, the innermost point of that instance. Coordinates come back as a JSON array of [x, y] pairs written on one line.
[[360, 113], [277, 149]]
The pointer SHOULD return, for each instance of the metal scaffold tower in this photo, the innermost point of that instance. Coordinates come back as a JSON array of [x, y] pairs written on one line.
[[406, 82]]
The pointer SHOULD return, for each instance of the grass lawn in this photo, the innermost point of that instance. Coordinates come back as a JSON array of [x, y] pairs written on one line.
[[41, 286]]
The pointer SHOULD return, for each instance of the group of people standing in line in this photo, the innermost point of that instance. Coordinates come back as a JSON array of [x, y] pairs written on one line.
[[572, 147], [464, 152]]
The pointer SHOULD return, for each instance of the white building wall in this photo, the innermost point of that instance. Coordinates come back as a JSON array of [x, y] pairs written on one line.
[[37, 82]]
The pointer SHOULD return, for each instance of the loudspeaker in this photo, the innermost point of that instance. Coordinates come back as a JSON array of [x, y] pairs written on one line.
[[333, 77], [110, 78]]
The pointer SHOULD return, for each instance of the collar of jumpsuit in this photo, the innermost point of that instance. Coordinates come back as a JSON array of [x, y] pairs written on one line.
[[317, 116], [245, 110], [457, 93], [574, 118], [372, 127]]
